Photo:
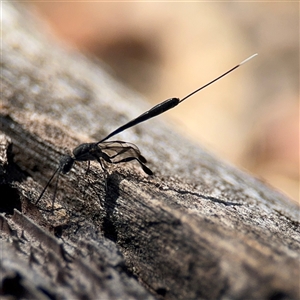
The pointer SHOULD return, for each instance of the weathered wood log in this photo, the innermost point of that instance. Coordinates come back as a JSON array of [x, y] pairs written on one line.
[[197, 229]]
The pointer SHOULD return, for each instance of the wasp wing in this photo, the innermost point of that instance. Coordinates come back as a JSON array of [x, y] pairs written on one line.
[[119, 150]]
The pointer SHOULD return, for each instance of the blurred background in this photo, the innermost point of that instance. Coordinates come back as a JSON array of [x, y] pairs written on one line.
[[249, 118]]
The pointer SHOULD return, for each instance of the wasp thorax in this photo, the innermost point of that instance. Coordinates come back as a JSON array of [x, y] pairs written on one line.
[[84, 152]]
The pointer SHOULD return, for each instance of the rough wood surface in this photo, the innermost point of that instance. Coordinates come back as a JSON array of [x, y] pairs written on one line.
[[197, 229]]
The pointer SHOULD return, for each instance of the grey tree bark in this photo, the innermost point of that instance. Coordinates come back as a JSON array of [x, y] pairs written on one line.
[[197, 229]]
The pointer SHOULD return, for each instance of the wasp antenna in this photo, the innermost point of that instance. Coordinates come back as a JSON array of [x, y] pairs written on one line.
[[48, 183]]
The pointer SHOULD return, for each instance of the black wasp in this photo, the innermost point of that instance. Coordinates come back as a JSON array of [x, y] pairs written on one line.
[[115, 152]]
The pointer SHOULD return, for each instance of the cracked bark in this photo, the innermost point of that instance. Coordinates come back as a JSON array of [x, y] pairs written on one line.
[[197, 229]]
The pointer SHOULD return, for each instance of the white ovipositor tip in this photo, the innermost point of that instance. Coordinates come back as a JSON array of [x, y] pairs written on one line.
[[247, 59]]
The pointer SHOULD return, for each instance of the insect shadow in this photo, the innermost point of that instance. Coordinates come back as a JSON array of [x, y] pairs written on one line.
[[115, 152], [110, 202]]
